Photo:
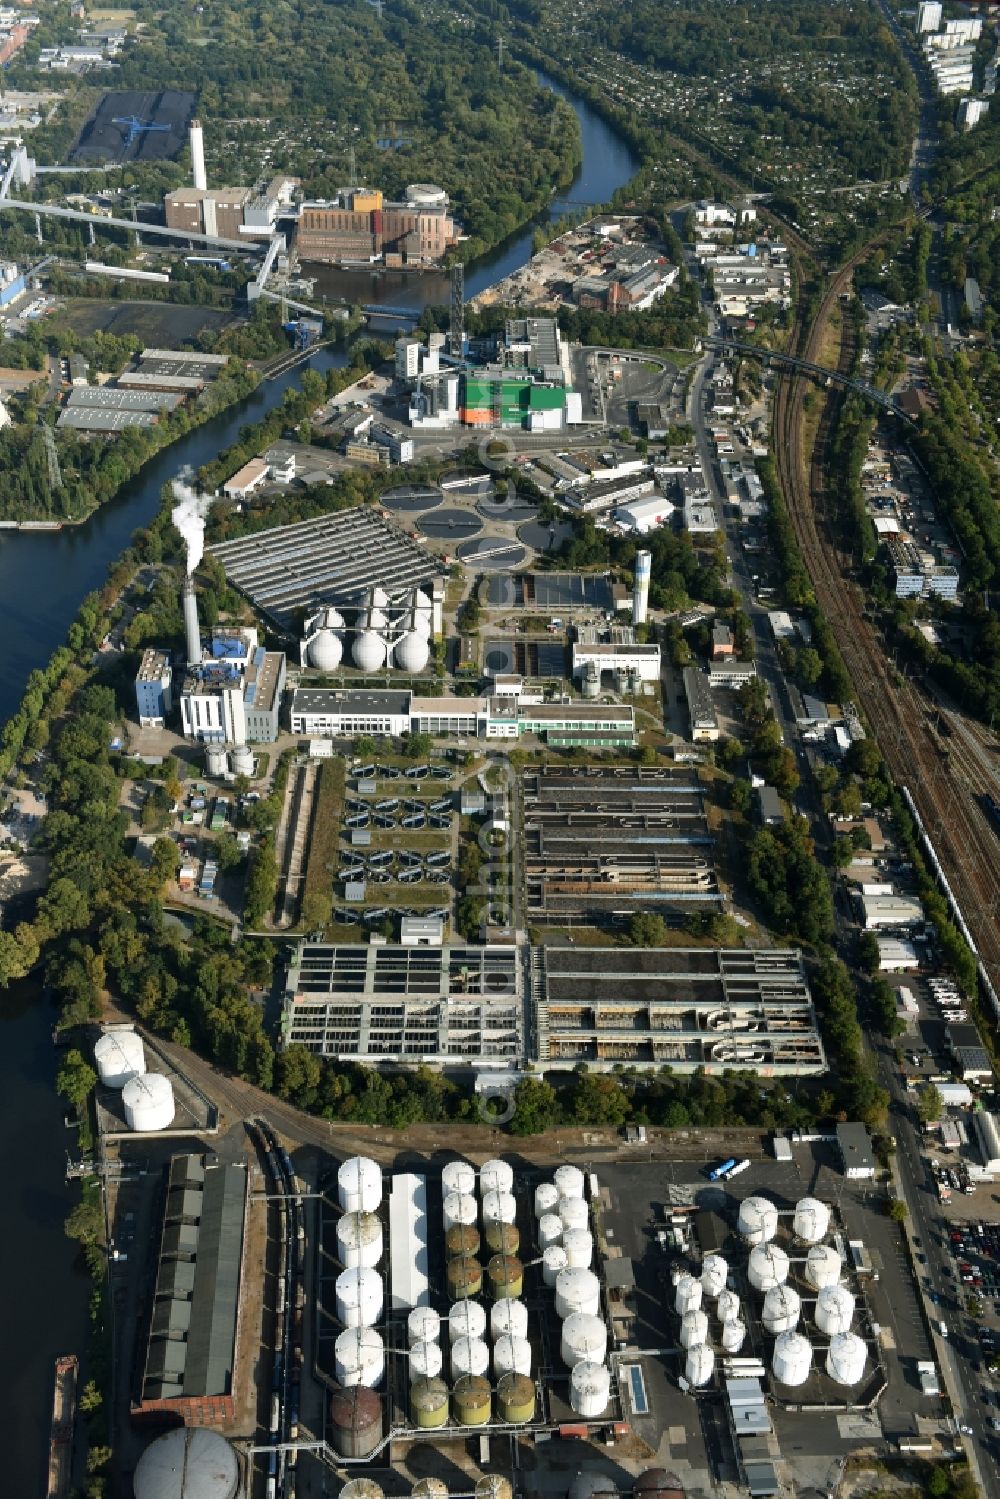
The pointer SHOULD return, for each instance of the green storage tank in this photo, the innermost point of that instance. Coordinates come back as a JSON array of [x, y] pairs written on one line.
[[506, 1276], [503, 1238], [429, 1402], [461, 1239], [465, 1277], [516, 1398], [473, 1400]]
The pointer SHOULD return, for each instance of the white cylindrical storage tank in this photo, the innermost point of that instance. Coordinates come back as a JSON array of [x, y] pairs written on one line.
[[241, 759], [508, 1317], [728, 1306], [511, 1356], [326, 650], [694, 1328], [359, 1297], [758, 1220], [495, 1176], [550, 1230], [834, 1310], [359, 1358], [499, 1207], [467, 1319], [546, 1199], [733, 1334], [359, 1185], [583, 1337], [216, 761], [782, 1308], [119, 1057], [577, 1291], [189, 1462], [699, 1365], [687, 1295], [426, 1361], [359, 1241], [423, 1325], [148, 1102], [589, 1389], [574, 1212], [459, 1207], [368, 651], [846, 1358], [460, 1177], [579, 1246], [792, 1358], [469, 1356], [569, 1181], [714, 1274], [811, 1220], [411, 652], [553, 1261], [768, 1266], [823, 1266]]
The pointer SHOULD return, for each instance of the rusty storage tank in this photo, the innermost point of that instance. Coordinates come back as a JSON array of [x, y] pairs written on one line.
[[502, 1238], [505, 1274], [362, 1488], [464, 1277], [591, 1483], [516, 1398], [429, 1403], [355, 1421], [494, 1486], [461, 1238], [657, 1483], [429, 1488], [473, 1400]]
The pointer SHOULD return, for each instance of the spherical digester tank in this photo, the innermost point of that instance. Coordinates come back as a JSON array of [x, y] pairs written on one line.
[[355, 1421], [411, 652], [472, 1400], [359, 1358], [461, 1238], [426, 1361], [834, 1310], [495, 1176], [189, 1462], [714, 1274], [767, 1267], [694, 1328], [120, 1057], [846, 1358], [460, 1177], [359, 1297], [554, 1259], [429, 1403], [515, 1399], [823, 1266], [733, 1335], [326, 650], [583, 1337], [423, 1325], [359, 1241], [687, 1294], [699, 1365], [546, 1199], [589, 1389], [499, 1207], [550, 1230], [148, 1102], [811, 1220], [510, 1317], [577, 1291], [368, 651], [782, 1309], [359, 1185], [792, 1359], [569, 1181], [464, 1278], [758, 1220], [467, 1319], [579, 1246], [574, 1212], [505, 1274], [460, 1208]]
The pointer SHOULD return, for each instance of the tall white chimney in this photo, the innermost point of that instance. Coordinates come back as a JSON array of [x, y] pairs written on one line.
[[640, 587], [197, 143], [437, 610], [192, 633]]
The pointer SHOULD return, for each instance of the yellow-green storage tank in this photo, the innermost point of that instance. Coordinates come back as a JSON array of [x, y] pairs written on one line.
[[516, 1398], [506, 1276], [473, 1400], [503, 1238], [429, 1488], [429, 1402], [494, 1486], [465, 1277], [461, 1238]]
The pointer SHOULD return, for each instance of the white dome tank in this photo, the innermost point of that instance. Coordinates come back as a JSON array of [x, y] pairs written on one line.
[[499, 1207], [460, 1177], [420, 623], [368, 651], [687, 1295], [189, 1462], [326, 650], [509, 1317], [119, 1057], [327, 619], [359, 1185], [577, 1291], [846, 1358], [573, 1212], [426, 1361], [495, 1176], [423, 1325], [733, 1335], [511, 1356], [811, 1220], [459, 1207], [834, 1310], [469, 1356], [699, 1365], [694, 1328], [426, 195], [758, 1220], [792, 1358], [569, 1181], [411, 652], [579, 1246], [359, 1241], [546, 1199], [583, 1337], [359, 1297], [823, 1266], [782, 1309], [714, 1274], [589, 1389], [554, 1259], [768, 1266], [148, 1102], [550, 1230], [377, 597], [728, 1306], [467, 1319], [359, 1358]]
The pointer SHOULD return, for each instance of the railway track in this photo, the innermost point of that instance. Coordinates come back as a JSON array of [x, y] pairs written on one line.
[[944, 785]]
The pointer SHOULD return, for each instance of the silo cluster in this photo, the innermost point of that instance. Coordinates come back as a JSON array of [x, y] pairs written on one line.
[[566, 1242], [356, 1417], [378, 630]]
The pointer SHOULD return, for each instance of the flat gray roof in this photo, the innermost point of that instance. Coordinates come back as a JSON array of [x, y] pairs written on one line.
[[110, 398], [94, 419], [215, 1299], [330, 700]]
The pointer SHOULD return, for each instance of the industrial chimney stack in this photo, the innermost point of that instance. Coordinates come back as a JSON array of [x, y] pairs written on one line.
[[192, 634], [197, 142], [640, 588]]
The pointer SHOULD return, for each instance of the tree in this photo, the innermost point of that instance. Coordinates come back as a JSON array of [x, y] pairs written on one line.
[[740, 796], [929, 1104], [85, 1222], [75, 1079], [898, 1211], [536, 1107], [600, 1100], [647, 930]]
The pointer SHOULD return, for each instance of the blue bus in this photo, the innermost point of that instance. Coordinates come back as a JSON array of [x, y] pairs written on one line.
[[719, 1171]]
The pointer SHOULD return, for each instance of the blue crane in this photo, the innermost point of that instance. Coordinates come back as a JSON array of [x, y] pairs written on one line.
[[135, 127]]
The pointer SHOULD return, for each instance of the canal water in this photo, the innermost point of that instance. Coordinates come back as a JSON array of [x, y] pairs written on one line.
[[43, 577]]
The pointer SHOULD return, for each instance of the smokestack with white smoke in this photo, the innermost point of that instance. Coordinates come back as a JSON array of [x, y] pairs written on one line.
[[188, 515]]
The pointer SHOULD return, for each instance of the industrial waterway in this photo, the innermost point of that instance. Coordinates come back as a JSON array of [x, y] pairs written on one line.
[[43, 578]]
